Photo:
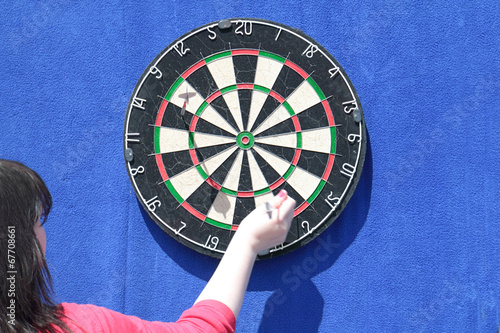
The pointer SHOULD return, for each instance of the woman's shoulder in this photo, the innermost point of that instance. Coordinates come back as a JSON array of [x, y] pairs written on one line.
[[87, 317]]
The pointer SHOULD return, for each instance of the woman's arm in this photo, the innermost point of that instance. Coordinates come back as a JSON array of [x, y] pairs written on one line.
[[259, 231]]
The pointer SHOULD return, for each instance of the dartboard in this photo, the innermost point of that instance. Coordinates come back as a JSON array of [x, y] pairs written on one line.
[[231, 113]]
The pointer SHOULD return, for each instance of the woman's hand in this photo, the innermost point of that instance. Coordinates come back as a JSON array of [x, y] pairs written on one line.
[[268, 225]]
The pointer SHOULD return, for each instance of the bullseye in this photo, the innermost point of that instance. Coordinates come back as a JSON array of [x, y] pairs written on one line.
[[245, 140]]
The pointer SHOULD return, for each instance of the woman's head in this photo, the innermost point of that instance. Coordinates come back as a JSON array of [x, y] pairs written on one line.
[[25, 203]]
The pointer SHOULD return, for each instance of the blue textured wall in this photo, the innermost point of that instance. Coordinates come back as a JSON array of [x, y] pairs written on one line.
[[416, 250]]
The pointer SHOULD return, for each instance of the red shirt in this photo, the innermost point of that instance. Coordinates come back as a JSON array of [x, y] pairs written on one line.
[[204, 316]]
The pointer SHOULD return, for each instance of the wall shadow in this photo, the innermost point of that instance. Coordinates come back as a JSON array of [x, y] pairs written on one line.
[[293, 311], [296, 304]]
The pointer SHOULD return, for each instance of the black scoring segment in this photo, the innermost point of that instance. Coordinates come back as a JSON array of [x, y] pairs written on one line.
[[244, 68], [291, 192], [287, 81], [210, 151], [245, 97], [245, 183], [286, 126], [176, 162], [173, 119], [283, 152], [268, 171], [313, 162], [312, 118], [204, 126], [243, 205], [203, 82], [269, 106], [203, 198]]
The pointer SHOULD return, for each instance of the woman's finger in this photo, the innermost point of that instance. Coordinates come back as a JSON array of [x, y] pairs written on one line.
[[278, 200]]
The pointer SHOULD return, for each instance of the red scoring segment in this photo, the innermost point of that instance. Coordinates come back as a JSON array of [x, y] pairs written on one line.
[[161, 167], [301, 208], [276, 96], [248, 194], [161, 112], [193, 68], [329, 167], [296, 68], [244, 86], [192, 153], [193, 211], [277, 183], [329, 114], [213, 96], [194, 121], [245, 52]]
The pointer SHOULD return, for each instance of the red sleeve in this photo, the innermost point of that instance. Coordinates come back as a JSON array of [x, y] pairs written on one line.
[[205, 316]]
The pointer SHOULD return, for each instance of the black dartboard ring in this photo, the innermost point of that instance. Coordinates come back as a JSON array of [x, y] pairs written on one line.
[[231, 113]]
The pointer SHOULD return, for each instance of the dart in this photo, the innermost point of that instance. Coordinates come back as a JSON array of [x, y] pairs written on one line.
[[186, 96], [183, 108]]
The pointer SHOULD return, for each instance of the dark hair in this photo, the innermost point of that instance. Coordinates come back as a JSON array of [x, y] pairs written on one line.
[[26, 285]]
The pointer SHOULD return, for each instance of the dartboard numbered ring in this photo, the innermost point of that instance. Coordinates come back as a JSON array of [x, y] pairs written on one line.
[[231, 113]]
